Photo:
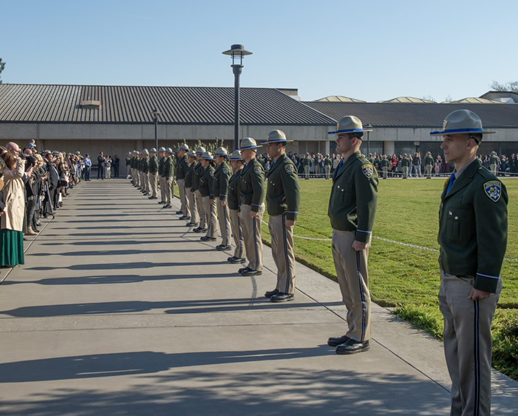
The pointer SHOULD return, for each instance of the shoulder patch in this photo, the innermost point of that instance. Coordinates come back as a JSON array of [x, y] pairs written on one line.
[[258, 170], [225, 170], [368, 170], [289, 168], [493, 190]]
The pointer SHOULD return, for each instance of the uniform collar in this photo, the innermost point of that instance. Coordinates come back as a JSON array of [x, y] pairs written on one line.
[[346, 164], [464, 177]]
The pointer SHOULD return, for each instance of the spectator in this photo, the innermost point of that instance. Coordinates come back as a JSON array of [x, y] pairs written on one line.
[[88, 167], [100, 166]]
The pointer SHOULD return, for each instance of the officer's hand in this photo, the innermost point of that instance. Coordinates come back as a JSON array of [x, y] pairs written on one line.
[[253, 214], [212, 201], [359, 246], [223, 203], [289, 223], [478, 294]]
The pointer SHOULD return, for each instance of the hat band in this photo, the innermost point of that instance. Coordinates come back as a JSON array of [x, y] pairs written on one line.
[[346, 131], [249, 147], [457, 131]]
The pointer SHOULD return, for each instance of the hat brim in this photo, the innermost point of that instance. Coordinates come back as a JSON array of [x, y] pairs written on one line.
[[460, 131], [277, 141], [249, 147], [348, 131]]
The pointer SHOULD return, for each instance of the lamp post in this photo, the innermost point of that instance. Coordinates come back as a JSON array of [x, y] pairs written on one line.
[[237, 52], [368, 126], [156, 113]]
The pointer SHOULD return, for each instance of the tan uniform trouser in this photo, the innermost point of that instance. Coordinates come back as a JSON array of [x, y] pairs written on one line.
[[171, 187], [493, 169], [283, 253], [163, 185], [201, 212], [136, 177], [193, 210], [428, 171], [145, 181], [252, 236], [385, 172], [183, 196], [237, 232], [167, 189], [353, 278], [153, 184], [306, 171], [327, 169], [210, 217], [467, 344], [224, 222], [405, 171]]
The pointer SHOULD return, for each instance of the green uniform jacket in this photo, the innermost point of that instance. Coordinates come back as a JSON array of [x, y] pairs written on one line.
[[354, 197], [161, 166], [221, 178], [328, 162], [428, 161], [283, 193], [233, 191], [494, 160], [139, 164], [153, 165], [198, 169], [473, 227], [128, 161], [182, 168], [207, 182], [145, 165], [384, 163], [251, 185], [132, 163], [307, 161], [405, 162], [188, 175], [168, 168]]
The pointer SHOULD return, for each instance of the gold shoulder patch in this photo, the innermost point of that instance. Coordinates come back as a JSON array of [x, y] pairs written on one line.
[[368, 170], [493, 190]]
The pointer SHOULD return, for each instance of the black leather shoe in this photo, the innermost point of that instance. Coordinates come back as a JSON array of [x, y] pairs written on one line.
[[271, 293], [192, 224], [204, 238], [282, 297], [252, 272], [236, 260], [353, 347], [243, 269], [152, 197], [335, 341], [161, 202], [222, 247], [184, 218], [179, 212]]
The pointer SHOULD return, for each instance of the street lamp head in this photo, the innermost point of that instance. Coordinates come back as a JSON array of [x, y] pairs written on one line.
[[156, 113], [237, 52]]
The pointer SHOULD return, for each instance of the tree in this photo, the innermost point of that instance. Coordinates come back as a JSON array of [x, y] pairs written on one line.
[[2, 66], [509, 86]]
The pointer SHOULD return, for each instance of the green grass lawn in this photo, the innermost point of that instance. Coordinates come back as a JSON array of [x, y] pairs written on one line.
[[403, 277]]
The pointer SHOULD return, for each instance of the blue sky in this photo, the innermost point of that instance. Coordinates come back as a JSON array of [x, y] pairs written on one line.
[[371, 49]]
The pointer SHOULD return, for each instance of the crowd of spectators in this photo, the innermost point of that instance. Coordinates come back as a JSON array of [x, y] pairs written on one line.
[[32, 186], [107, 167], [314, 165]]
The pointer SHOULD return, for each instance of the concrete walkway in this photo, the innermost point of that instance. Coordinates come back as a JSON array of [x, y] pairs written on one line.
[[120, 310]]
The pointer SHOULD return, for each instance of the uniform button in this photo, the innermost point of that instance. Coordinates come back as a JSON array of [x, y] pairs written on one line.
[[456, 218]]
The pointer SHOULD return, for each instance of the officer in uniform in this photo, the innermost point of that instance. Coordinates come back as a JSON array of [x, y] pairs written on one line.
[[494, 160], [191, 198], [428, 165], [327, 166], [161, 179], [135, 169], [405, 165], [385, 164], [221, 178], [144, 170], [167, 174], [307, 165], [283, 201], [252, 194], [206, 189], [352, 208], [237, 163], [198, 169], [181, 171], [128, 167], [153, 173], [473, 240]]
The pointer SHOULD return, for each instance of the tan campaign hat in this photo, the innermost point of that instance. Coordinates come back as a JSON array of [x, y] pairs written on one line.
[[349, 124], [200, 149], [461, 122], [207, 156], [248, 143], [183, 146], [144, 152], [221, 151], [191, 154], [276, 136], [153, 150], [169, 150], [236, 155], [162, 149]]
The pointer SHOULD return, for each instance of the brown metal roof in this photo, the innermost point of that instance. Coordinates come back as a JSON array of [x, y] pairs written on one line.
[[421, 115], [178, 105]]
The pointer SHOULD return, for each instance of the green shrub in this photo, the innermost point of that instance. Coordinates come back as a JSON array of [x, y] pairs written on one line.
[[505, 342]]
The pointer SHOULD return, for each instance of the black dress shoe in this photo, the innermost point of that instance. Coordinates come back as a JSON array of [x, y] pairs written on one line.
[[179, 212], [207, 238], [197, 230], [271, 293], [152, 197], [353, 347], [192, 224], [243, 269], [282, 297], [235, 260], [223, 247], [161, 202], [335, 341], [252, 272]]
